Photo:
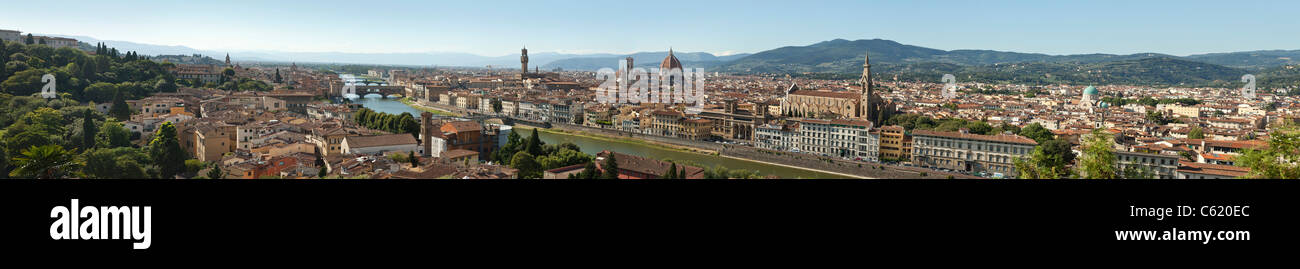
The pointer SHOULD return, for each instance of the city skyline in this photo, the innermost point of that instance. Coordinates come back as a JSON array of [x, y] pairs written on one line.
[[721, 28]]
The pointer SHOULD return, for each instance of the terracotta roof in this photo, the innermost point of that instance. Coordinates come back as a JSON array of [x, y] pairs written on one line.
[[666, 112], [843, 95], [1212, 169], [458, 153], [1015, 139], [860, 123], [379, 140], [432, 171], [647, 166], [1251, 144], [1216, 156], [568, 168], [464, 126]]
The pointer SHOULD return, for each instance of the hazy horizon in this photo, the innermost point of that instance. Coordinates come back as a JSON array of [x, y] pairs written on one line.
[[718, 27]]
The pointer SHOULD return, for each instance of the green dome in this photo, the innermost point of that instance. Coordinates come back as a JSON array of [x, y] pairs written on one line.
[[1090, 90]]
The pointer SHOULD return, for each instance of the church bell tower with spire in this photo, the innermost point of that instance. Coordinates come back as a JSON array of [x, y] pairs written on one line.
[[872, 106], [867, 89]]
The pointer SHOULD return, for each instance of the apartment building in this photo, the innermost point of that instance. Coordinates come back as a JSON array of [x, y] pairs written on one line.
[[840, 137], [963, 151]]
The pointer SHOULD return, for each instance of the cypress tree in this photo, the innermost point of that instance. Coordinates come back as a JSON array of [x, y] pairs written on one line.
[[534, 144], [88, 131], [215, 173], [120, 109], [165, 150], [610, 166], [589, 171], [672, 172]]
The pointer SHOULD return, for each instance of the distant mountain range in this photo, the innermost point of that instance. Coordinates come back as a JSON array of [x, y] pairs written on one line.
[[545, 60], [842, 57], [914, 63]]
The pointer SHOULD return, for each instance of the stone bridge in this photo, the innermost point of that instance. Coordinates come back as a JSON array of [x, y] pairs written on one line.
[[385, 90]]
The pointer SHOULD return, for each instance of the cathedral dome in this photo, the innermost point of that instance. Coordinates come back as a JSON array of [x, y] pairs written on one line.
[[670, 62]]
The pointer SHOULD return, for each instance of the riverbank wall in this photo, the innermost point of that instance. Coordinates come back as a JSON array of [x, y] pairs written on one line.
[[831, 164], [701, 145]]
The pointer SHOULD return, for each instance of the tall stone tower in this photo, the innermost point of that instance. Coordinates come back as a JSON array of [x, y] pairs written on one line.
[[867, 105], [523, 62], [625, 74], [426, 128], [867, 89], [872, 106]]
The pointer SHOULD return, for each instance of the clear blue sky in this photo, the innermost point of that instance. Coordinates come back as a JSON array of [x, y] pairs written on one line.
[[495, 28]]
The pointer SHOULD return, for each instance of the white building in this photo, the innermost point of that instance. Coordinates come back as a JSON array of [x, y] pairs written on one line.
[[10, 35], [777, 136], [851, 139], [964, 151]]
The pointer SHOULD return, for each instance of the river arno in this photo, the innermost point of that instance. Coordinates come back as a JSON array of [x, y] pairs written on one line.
[[591, 145]]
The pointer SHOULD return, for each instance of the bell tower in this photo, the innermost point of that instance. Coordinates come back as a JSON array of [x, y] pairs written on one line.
[[866, 76], [426, 136], [523, 61], [867, 104]]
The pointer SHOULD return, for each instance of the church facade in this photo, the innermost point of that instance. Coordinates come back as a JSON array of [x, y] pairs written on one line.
[[866, 104]]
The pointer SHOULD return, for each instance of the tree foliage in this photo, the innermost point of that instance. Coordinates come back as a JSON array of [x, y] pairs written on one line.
[[165, 150], [1098, 158], [1036, 132], [527, 165], [1196, 133], [1281, 159], [401, 123], [45, 162], [534, 144], [121, 162], [216, 173], [610, 167]]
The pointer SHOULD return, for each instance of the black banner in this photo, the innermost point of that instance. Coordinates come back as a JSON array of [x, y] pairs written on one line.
[[444, 217]]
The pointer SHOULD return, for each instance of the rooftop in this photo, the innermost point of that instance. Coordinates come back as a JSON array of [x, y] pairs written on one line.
[[379, 140], [1212, 169], [1014, 139]]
